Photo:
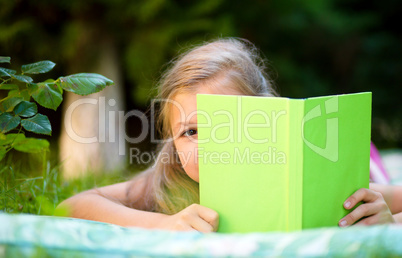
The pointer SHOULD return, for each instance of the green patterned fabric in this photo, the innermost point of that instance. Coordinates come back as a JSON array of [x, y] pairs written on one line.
[[29, 235]]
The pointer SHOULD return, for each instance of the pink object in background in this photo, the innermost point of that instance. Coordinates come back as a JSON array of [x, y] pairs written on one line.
[[378, 174]]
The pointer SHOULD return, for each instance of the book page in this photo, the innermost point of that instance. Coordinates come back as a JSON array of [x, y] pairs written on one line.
[[336, 161], [243, 161]]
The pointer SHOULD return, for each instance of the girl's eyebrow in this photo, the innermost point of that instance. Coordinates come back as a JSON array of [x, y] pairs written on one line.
[[184, 123], [178, 125], [193, 121]]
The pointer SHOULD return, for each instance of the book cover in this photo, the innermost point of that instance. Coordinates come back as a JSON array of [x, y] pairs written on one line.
[[280, 164]]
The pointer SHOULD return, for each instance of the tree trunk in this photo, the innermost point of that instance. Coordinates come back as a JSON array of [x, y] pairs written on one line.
[[89, 140]]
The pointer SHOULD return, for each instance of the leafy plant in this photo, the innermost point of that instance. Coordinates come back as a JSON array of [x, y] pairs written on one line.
[[19, 110]]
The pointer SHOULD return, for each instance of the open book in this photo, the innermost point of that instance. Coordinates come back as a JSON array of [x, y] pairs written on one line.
[[280, 164]]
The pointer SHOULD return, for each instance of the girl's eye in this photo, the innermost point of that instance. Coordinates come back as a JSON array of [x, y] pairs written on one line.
[[189, 132]]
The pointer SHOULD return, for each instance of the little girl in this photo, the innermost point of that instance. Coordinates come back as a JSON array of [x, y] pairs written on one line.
[[166, 195]]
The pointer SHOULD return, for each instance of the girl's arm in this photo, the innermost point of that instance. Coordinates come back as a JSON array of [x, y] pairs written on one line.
[[392, 195], [106, 205]]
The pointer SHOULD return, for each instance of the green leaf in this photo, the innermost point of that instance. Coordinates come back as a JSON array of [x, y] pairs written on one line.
[[84, 83], [3, 152], [9, 71], [22, 78], [8, 122], [47, 95], [24, 94], [38, 67], [9, 87], [14, 98], [37, 124], [32, 145], [4, 72], [5, 59], [26, 109], [8, 104], [59, 87], [12, 138]]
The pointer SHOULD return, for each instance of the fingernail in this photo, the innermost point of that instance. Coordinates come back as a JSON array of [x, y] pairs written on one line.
[[347, 204], [343, 223]]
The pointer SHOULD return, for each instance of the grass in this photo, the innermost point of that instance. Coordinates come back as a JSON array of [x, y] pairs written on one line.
[[32, 183]]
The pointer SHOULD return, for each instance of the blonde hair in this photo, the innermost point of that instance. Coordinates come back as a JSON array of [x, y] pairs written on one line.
[[168, 188]]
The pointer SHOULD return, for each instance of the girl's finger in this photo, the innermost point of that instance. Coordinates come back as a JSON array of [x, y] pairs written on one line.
[[186, 228], [209, 215], [362, 194], [201, 225], [363, 210], [368, 221]]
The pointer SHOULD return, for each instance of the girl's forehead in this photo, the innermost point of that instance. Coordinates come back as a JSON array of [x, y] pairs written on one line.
[[222, 85], [183, 107]]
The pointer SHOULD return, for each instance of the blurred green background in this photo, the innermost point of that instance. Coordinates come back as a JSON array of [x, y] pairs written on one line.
[[313, 47]]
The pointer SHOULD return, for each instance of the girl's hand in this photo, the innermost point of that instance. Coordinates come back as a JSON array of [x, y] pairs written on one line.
[[374, 210], [194, 217]]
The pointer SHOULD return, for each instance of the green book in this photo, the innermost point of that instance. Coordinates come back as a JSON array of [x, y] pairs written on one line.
[[280, 164]]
